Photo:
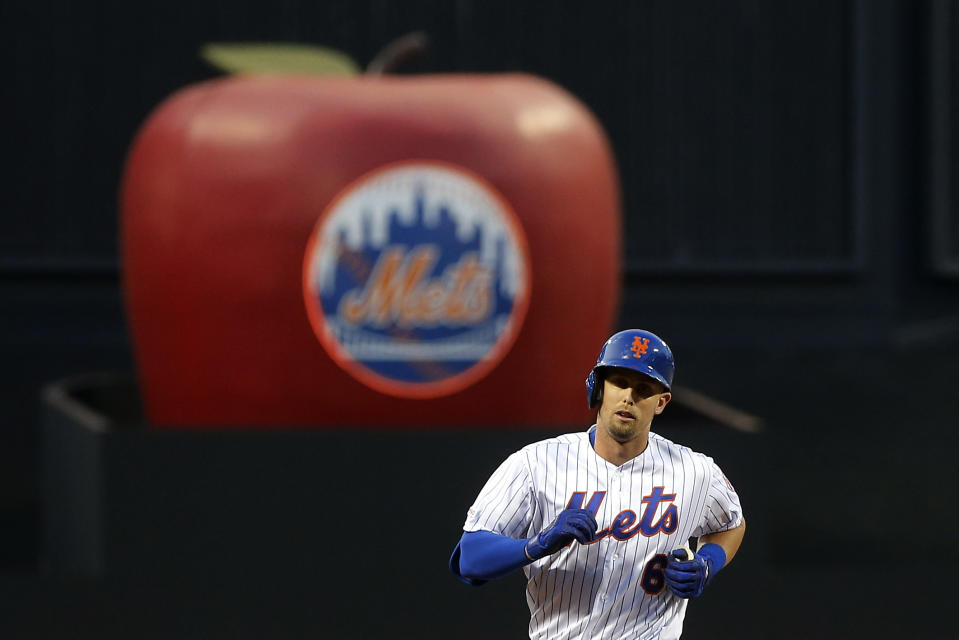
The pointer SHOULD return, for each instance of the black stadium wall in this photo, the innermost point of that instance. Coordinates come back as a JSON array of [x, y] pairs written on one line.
[[789, 229]]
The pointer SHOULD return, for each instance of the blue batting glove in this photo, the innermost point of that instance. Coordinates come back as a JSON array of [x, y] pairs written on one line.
[[569, 525], [688, 578]]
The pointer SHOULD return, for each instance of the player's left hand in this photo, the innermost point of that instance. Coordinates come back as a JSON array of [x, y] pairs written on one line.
[[688, 578]]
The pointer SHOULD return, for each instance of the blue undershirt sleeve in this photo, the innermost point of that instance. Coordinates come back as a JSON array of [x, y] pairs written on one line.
[[481, 556]]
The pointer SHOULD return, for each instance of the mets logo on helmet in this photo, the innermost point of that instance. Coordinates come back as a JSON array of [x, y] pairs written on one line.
[[416, 279], [640, 346]]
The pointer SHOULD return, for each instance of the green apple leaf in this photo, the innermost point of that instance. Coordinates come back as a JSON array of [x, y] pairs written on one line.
[[275, 58]]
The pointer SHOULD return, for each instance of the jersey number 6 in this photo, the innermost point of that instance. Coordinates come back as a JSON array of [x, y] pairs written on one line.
[[653, 578]]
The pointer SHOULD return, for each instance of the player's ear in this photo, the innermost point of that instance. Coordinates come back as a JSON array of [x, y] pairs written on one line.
[[664, 399]]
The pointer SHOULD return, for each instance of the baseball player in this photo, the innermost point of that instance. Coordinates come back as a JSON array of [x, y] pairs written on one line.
[[599, 520]]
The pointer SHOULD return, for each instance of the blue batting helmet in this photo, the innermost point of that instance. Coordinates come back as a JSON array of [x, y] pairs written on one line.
[[634, 349]]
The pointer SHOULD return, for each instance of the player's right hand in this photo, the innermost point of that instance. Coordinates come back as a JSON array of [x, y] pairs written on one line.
[[569, 525]]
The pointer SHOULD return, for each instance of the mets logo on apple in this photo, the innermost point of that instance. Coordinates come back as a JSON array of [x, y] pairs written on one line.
[[417, 278]]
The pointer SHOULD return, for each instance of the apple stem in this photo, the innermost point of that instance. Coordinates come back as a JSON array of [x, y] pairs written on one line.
[[398, 52]]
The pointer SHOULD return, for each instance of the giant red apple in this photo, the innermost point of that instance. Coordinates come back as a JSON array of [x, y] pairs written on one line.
[[388, 251]]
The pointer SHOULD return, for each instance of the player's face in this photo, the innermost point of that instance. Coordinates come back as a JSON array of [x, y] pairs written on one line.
[[630, 400]]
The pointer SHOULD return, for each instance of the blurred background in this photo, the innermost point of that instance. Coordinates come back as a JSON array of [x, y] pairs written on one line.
[[787, 166]]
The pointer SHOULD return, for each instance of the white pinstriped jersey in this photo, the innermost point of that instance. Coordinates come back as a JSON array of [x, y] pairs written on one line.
[[612, 587]]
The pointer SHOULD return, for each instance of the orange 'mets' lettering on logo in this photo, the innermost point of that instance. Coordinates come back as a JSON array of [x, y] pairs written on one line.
[[401, 290], [640, 345]]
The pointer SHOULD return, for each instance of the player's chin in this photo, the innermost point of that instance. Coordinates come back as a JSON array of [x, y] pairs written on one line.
[[622, 432]]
